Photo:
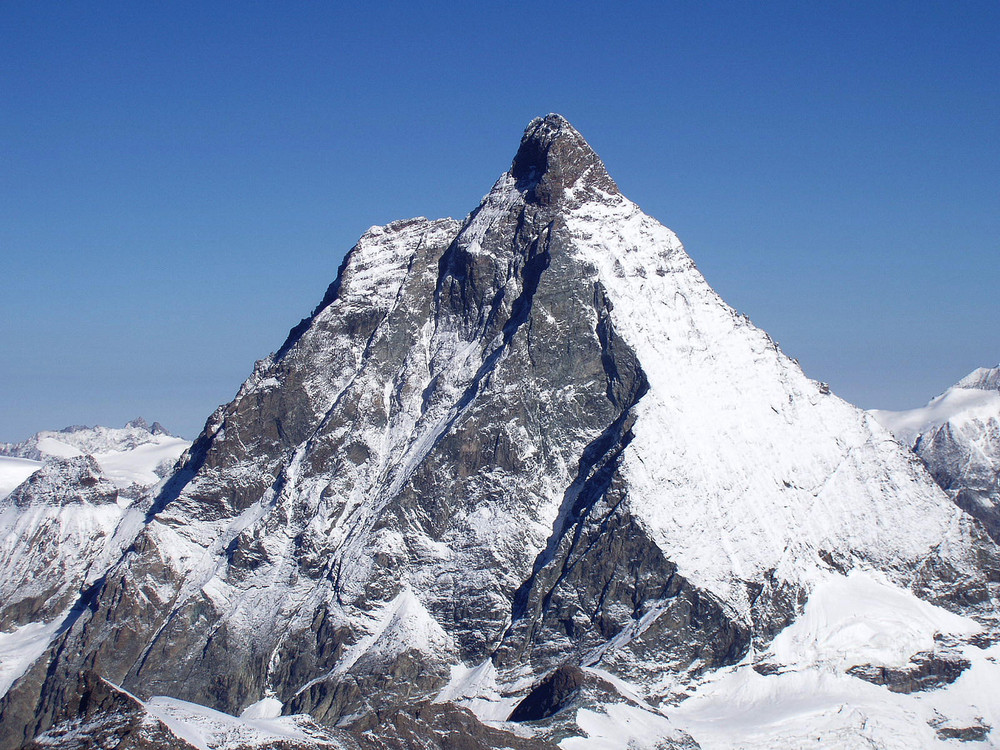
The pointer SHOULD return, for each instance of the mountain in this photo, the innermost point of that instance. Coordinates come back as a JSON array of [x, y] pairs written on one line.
[[525, 479], [137, 452], [957, 436], [74, 499]]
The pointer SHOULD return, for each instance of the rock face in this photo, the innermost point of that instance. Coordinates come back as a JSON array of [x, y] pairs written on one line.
[[532, 440], [957, 436]]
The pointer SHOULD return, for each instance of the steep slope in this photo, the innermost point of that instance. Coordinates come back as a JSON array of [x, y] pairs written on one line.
[[957, 436], [53, 529], [530, 440], [59, 532]]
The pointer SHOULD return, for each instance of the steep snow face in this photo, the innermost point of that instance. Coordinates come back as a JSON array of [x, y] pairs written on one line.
[[13, 471], [741, 467], [22, 645], [957, 435], [532, 438]]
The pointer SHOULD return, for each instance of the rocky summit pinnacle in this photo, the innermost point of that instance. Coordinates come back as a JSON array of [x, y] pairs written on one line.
[[521, 479], [554, 157]]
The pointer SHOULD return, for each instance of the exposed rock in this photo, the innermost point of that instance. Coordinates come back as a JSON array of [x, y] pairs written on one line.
[[550, 695], [54, 529], [975, 733], [435, 726], [925, 672], [98, 715]]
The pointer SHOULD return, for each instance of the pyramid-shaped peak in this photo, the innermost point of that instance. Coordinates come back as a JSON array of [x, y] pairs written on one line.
[[553, 156]]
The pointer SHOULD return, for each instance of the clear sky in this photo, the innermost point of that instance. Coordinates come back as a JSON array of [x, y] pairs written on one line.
[[179, 181]]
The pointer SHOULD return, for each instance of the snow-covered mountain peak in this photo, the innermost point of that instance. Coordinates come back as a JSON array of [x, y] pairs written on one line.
[[153, 429], [534, 446], [81, 440], [957, 436], [136, 453], [51, 484], [976, 397]]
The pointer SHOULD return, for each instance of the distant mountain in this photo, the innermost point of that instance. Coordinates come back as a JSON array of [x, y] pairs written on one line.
[[957, 435], [136, 453], [521, 480]]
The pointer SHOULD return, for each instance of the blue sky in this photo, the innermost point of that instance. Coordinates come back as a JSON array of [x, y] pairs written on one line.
[[179, 181]]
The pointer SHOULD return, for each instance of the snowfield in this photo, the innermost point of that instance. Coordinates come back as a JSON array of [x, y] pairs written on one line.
[[808, 698]]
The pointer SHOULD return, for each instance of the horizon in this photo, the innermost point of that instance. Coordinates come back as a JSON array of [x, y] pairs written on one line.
[[183, 183]]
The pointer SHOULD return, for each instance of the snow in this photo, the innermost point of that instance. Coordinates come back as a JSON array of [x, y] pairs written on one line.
[[207, 729], [956, 405], [741, 469], [811, 700], [986, 378], [50, 446], [139, 464], [127, 455], [62, 533], [402, 625], [620, 725], [265, 708], [13, 471], [467, 682], [864, 619], [741, 466], [476, 688], [20, 647]]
